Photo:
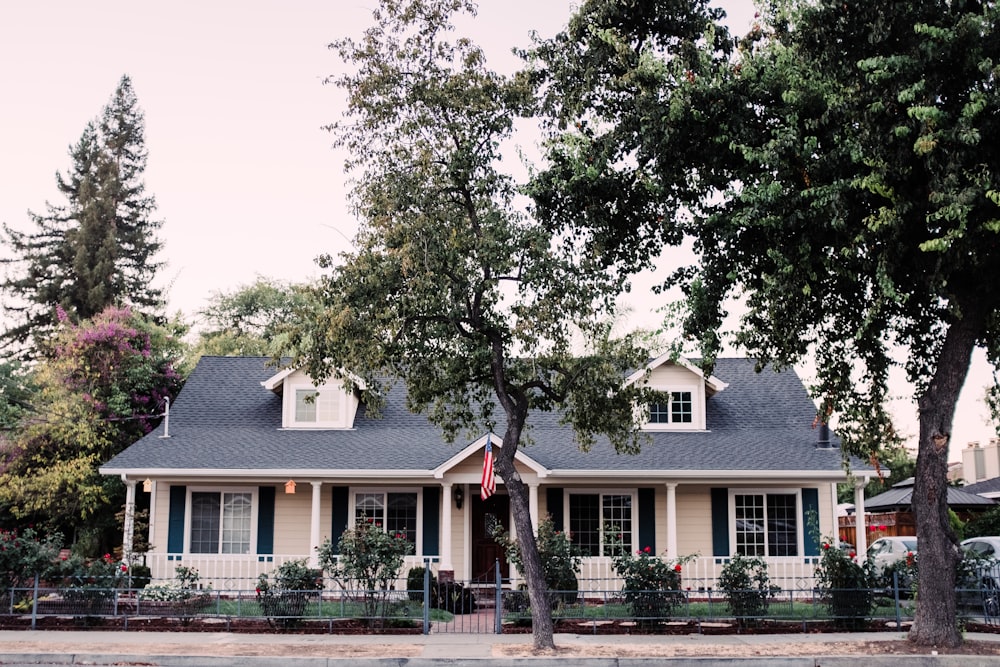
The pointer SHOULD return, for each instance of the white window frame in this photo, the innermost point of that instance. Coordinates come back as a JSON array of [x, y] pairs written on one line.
[[221, 490], [601, 493], [418, 548], [799, 527], [697, 422]]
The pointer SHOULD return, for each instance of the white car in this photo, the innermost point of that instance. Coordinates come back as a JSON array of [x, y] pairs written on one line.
[[984, 547], [885, 551]]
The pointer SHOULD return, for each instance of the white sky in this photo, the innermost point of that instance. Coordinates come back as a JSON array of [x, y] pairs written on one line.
[[244, 176]]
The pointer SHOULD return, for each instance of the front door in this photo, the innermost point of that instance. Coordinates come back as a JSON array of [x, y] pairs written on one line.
[[485, 550]]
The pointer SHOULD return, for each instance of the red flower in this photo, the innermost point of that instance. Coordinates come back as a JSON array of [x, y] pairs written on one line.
[[677, 568], [852, 554], [647, 549], [124, 567], [825, 546]]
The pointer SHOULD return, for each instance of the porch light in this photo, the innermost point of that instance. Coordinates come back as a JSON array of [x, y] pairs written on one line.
[[459, 496], [290, 486], [147, 485]]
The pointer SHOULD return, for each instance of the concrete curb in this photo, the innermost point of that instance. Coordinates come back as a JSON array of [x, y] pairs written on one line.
[[276, 661]]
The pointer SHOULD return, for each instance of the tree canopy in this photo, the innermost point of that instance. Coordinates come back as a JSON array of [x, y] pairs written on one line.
[[97, 249], [101, 385], [251, 320], [452, 287], [833, 168]]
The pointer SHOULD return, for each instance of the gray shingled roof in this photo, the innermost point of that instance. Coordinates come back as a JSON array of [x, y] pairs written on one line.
[[224, 419], [991, 485], [900, 497]]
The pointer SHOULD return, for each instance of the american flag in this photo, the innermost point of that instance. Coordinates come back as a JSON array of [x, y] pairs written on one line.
[[487, 485]]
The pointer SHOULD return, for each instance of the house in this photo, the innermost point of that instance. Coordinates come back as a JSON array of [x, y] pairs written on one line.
[[891, 514], [255, 466]]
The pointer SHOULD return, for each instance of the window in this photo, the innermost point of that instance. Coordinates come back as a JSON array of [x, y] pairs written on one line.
[[319, 407], [766, 524], [221, 522], [680, 409], [590, 513], [397, 512]]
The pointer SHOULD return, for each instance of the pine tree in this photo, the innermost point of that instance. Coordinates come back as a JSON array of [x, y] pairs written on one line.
[[96, 249]]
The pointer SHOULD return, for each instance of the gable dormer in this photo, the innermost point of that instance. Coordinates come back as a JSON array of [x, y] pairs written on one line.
[[304, 405], [686, 390]]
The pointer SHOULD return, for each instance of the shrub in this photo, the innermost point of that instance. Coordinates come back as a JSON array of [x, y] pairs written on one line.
[[846, 586], [415, 583], [22, 556], [369, 559], [285, 600], [652, 585], [748, 588], [559, 556], [91, 584]]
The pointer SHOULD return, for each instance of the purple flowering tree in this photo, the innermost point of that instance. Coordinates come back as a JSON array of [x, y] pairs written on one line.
[[101, 386]]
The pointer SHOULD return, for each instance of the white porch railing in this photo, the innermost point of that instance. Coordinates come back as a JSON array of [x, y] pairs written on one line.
[[596, 576], [233, 572], [702, 573]]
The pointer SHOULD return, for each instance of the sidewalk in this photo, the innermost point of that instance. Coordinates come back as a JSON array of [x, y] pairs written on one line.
[[215, 649]]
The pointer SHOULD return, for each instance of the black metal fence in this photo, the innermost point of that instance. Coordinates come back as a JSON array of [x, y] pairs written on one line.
[[477, 608]]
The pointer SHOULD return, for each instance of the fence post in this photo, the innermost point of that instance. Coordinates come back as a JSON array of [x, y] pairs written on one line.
[[498, 602], [895, 591], [427, 596], [34, 603]]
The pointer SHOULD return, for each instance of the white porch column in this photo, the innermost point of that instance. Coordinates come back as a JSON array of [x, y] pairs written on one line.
[[672, 520], [127, 538], [834, 519], [446, 520], [533, 505], [317, 498], [860, 526]]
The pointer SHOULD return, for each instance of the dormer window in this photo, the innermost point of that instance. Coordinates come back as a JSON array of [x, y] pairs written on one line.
[[679, 410], [330, 405], [682, 391]]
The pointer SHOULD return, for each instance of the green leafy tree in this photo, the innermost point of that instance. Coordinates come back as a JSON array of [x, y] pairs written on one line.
[[101, 386], [250, 320], [833, 168], [451, 288], [97, 249]]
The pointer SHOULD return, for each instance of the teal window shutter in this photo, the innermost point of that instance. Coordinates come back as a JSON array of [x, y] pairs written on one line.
[[340, 496], [175, 522], [265, 520], [720, 522], [810, 506], [432, 520], [647, 519], [554, 505]]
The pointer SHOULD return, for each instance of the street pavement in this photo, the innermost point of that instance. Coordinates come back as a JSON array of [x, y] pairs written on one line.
[[222, 649]]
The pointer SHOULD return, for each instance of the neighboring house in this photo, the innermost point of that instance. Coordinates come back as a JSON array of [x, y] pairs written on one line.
[[256, 466], [981, 462]]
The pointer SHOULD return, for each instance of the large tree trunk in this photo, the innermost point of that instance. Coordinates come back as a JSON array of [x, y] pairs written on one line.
[[541, 610], [938, 553]]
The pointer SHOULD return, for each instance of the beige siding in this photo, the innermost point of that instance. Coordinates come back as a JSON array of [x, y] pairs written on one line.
[[161, 517], [694, 520], [292, 518]]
